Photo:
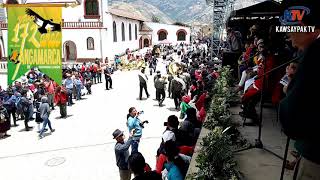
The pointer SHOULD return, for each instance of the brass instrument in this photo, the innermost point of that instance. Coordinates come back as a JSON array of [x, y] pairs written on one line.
[[164, 78], [175, 68]]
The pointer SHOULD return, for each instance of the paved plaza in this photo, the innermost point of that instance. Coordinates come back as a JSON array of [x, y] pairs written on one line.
[[82, 146]]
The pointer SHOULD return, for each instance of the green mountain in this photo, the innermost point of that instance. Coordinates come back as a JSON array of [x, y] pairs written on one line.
[[185, 11]]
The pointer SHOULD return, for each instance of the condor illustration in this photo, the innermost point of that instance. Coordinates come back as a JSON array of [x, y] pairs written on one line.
[[45, 25]]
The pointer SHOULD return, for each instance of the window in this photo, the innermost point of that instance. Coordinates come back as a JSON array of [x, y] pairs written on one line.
[[123, 32], [181, 36], [136, 32], [130, 34], [115, 39], [162, 35], [91, 9], [90, 43]]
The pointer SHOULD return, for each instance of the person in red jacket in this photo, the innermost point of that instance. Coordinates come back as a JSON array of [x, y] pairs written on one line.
[[61, 99], [252, 95]]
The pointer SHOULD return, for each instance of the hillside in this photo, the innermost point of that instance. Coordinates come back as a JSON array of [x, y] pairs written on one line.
[[144, 9], [186, 11]]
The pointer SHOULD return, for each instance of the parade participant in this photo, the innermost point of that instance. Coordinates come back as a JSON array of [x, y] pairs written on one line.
[[170, 77], [26, 108], [68, 84], [134, 123], [107, 74], [150, 67], [187, 79], [61, 100], [160, 85], [44, 115], [154, 63], [121, 149], [143, 79], [177, 86], [117, 61]]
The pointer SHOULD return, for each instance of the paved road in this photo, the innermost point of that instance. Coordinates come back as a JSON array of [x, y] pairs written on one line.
[[82, 146]]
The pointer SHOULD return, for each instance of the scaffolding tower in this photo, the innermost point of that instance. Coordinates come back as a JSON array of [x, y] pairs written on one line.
[[221, 10]]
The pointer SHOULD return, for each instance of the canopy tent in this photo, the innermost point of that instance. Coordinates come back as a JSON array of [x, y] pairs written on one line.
[[265, 14], [268, 8]]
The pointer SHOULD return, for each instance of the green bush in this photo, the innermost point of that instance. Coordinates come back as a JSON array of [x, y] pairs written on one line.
[[215, 159]]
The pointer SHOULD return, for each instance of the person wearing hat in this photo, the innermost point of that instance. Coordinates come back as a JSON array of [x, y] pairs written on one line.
[[121, 149], [170, 133], [296, 114]]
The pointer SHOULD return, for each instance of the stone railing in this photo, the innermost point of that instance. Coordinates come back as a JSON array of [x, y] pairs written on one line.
[[84, 25], [4, 25]]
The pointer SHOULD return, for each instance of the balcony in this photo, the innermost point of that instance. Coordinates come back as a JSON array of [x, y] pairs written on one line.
[[3, 67], [71, 25], [4, 25], [82, 25]]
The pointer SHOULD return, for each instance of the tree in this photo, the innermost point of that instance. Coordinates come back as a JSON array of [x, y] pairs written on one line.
[[155, 19], [12, 2], [181, 24]]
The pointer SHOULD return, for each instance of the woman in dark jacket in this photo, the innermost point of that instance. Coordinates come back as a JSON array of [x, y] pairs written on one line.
[[191, 126], [4, 122]]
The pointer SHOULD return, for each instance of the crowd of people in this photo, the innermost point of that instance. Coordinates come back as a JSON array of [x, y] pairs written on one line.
[[35, 95], [277, 67], [189, 75], [189, 85]]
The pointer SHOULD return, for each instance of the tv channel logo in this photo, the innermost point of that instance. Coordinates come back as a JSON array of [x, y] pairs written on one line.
[[294, 15]]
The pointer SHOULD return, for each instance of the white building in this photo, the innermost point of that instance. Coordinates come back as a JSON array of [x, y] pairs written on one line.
[[91, 30]]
